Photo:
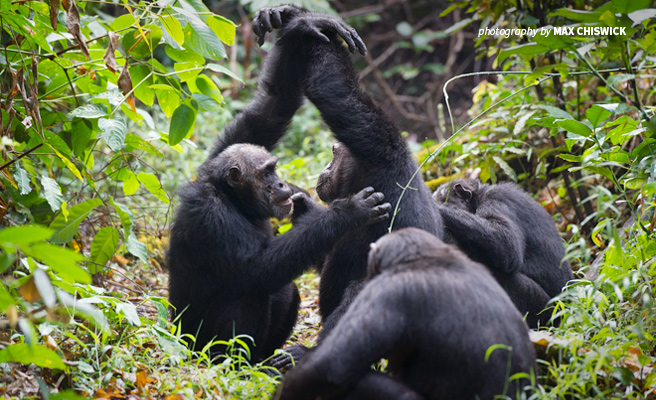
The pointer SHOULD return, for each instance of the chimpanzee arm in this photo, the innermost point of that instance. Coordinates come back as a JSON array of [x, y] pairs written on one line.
[[280, 91], [278, 97], [332, 85], [274, 261], [346, 354], [488, 236]]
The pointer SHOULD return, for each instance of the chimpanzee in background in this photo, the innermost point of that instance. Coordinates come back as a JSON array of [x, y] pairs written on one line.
[[229, 275], [370, 152], [505, 229], [435, 315]]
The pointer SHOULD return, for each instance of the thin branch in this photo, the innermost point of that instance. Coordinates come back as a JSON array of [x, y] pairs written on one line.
[[21, 156]]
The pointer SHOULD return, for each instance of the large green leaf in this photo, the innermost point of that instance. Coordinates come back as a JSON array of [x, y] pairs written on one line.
[[129, 311], [596, 115], [114, 131], [173, 28], [103, 247], [137, 248], [182, 123], [125, 215], [66, 229], [528, 49], [223, 28], [201, 39], [574, 126], [22, 179], [38, 355], [5, 298], [61, 259], [153, 185], [25, 234], [220, 68], [52, 193], [139, 143], [90, 111]]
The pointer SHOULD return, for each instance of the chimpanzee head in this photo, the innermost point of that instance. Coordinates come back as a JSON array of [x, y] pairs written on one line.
[[246, 174], [407, 248], [342, 177], [460, 193]]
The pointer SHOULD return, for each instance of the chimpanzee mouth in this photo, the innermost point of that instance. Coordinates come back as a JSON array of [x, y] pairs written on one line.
[[285, 203]]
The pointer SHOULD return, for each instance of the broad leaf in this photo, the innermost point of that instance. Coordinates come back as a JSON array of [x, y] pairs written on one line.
[[52, 193], [114, 131], [574, 126], [65, 230], [25, 234], [103, 247], [62, 260], [90, 111], [38, 355], [137, 248], [129, 311], [596, 115], [153, 185], [182, 123], [22, 179]]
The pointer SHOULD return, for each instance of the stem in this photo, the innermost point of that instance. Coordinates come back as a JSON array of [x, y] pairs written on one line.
[[21, 156]]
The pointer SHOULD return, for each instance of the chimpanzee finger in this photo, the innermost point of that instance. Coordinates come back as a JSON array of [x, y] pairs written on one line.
[[276, 19], [366, 192], [346, 35], [379, 218], [317, 33], [375, 198], [362, 48]]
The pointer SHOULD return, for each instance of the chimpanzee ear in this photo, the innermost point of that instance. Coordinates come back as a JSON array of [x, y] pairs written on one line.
[[462, 192], [234, 175]]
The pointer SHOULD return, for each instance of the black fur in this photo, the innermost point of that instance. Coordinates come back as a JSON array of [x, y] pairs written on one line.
[[505, 229], [228, 274], [434, 314]]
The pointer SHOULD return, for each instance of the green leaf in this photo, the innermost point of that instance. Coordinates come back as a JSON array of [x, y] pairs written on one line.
[[628, 6], [574, 126], [528, 49], [506, 168], [204, 85], [577, 15], [103, 247], [137, 248], [130, 184], [168, 100], [52, 193], [554, 111], [22, 179], [90, 111], [201, 39], [129, 311], [113, 132], [182, 123], [38, 355], [61, 259], [5, 298], [153, 185], [596, 115], [25, 234], [173, 27], [139, 143], [123, 22], [224, 29], [220, 68], [140, 73], [187, 70], [124, 214], [570, 157], [65, 230]]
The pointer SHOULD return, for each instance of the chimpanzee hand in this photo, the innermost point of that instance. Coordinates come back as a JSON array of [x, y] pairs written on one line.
[[268, 19], [365, 206], [304, 205]]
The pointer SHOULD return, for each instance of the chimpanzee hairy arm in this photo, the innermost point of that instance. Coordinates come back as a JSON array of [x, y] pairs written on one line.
[[280, 91], [343, 359], [273, 261], [488, 234], [332, 85]]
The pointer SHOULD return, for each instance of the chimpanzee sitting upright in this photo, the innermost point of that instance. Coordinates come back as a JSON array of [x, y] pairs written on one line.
[[505, 229], [437, 317], [229, 275], [370, 152]]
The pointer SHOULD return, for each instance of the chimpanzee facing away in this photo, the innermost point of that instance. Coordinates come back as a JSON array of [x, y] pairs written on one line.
[[435, 315], [370, 152], [229, 275], [505, 229]]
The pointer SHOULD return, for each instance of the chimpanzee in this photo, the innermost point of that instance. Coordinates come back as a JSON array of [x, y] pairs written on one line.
[[370, 152], [447, 328], [505, 229], [229, 275]]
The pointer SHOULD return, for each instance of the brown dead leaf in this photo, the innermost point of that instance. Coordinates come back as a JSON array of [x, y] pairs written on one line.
[[28, 291], [54, 11], [50, 342], [110, 57], [176, 396], [9, 178], [142, 380], [73, 26], [125, 84], [120, 260]]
